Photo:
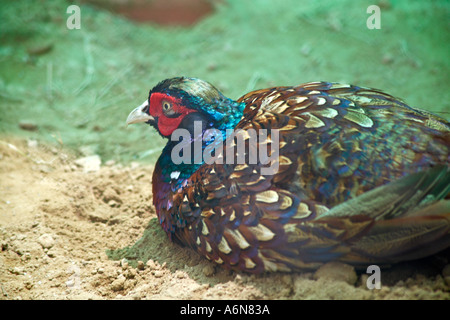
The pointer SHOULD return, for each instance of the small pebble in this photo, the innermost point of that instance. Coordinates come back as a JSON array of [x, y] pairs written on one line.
[[130, 273], [20, 236], [208, 270], [27, 125], [158, 273], [337, 271], [124, 263], [51, 253], [17, 270], [112, 203], [32, 143], [28, 284], [152, 265], [46, 241], [140, 265], [90, 163], [119, 283]]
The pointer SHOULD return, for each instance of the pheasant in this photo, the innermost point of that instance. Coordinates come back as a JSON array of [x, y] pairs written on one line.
[[358, 176]]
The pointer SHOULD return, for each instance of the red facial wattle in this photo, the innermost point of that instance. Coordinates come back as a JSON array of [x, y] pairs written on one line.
[[166, 125]]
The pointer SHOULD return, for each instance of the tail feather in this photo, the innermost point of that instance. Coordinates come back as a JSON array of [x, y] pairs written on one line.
[[400, 197], [411, 219], [404, 239]]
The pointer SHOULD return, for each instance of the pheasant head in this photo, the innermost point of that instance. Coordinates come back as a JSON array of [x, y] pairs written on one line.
[[180, 102]]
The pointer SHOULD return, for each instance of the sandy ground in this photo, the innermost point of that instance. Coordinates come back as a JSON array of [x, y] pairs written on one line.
[[70, 229]]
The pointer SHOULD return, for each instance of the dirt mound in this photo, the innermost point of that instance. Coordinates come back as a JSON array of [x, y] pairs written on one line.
[[77, 229]]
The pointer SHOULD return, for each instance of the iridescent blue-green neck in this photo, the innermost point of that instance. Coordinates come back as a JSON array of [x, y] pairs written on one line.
[[225, 114]]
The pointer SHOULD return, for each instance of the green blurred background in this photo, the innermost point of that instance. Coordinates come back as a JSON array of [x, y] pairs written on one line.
[[75, 88]]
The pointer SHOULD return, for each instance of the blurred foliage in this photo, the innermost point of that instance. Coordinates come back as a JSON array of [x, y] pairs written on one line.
[[78, 86]]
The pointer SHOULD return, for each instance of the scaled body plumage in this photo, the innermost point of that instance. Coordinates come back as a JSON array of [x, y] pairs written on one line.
[[362, 177]]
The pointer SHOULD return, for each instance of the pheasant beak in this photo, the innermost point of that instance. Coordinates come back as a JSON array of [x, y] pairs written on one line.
[[139, 115]]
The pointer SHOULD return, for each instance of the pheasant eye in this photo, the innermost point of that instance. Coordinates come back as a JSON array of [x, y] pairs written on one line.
[[166, 106], [168, 110]]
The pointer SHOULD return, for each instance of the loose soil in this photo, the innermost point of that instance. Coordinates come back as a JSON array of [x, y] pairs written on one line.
[[73, 231]]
